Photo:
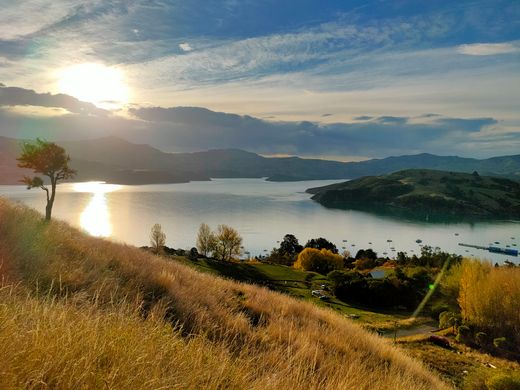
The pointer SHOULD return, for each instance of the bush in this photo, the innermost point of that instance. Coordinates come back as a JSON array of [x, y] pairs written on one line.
[[500, 342], [482, 339], [463, 334], [321, 261], [503, 381], [483, 379], [448, 319]]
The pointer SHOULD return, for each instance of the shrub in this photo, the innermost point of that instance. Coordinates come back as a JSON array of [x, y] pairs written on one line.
[[447, 319], [463, 334], [503, 381], [500, 342], [482, 339], [483, 379]]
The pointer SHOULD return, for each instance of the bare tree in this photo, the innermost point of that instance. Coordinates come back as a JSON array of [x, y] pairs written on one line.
[[206, 240], [157, 239], [228, 242], [50, 160]]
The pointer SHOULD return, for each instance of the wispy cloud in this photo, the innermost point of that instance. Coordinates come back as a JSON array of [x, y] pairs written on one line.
[[185, 46], [488, 49]]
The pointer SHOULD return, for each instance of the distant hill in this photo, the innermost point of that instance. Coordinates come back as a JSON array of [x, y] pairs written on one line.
[[426, 194], [115, 160]]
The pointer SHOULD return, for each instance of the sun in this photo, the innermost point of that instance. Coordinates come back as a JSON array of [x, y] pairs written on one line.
[[95, 83]]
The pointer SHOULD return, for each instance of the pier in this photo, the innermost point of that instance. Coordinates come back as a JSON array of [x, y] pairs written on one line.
[[493, 249]]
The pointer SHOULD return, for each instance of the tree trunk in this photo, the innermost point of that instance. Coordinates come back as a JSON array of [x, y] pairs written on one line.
[[50, 201]]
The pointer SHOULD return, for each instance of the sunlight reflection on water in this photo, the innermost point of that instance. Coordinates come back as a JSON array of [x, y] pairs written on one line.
[[95, 218]]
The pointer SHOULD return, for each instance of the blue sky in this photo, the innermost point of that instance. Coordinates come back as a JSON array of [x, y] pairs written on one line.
[[302, 76]]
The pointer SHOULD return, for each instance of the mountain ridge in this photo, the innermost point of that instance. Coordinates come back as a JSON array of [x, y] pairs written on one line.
[[116, 160]]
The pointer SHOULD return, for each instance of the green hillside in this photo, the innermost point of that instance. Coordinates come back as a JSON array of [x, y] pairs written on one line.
[[426, 194]]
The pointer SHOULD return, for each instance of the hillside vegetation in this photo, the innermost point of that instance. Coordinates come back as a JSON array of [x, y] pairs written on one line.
[[80, 311], [425, 193]]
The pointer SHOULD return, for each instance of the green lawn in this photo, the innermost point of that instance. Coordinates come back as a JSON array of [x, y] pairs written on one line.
[[296, 283]]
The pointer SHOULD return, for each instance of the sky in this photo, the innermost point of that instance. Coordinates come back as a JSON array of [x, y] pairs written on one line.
[[343, 79]]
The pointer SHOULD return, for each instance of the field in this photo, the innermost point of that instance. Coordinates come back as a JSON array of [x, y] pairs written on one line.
[[298, 284]]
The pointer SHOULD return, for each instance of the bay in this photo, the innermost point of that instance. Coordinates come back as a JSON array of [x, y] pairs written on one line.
[[263, 212]]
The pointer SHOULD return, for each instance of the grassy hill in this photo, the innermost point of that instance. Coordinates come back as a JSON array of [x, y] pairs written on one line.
[[425, 193], [81, 311]]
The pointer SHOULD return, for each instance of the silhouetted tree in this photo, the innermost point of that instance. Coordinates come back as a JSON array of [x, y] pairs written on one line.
[[366, 254], [157, 239], [290, 246], [286, 253], [321, 243], [50, 160], [194, 254]]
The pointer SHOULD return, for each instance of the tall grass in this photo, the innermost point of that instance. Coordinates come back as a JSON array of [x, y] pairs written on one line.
[[99, 312], [489, 299]]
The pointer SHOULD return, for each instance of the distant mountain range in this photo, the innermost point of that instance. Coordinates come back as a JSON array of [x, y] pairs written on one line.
[[115, 160]]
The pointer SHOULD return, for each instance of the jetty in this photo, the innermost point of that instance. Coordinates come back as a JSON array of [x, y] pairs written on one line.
[[493, 249]]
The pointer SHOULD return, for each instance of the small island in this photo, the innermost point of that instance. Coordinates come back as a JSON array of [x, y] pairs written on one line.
[[427, 195]]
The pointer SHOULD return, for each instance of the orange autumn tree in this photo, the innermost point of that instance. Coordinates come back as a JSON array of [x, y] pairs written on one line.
[[322, 261], [50, 160]]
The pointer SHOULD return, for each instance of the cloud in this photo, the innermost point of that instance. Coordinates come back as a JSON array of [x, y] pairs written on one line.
[[14, 96], [197, 128], [488, 49], [185, 46], [184, 129], [392, 120], [15, 21]]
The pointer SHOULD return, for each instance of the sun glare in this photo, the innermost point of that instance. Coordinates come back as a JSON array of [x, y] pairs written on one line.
[[95, 83], [95, 218]]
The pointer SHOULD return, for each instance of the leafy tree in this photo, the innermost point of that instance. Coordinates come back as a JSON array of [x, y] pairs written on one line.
[[321, 243], [322, 261], [157, 239], [50, 160], [290, 246], [286, 253], [228, 242], [206, 240], [366, 254]]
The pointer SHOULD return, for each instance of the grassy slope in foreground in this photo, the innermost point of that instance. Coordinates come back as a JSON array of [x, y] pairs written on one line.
[[425, 193], [91, 311]]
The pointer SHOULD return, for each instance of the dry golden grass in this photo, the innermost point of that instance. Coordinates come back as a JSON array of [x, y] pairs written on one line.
[[105, 314]]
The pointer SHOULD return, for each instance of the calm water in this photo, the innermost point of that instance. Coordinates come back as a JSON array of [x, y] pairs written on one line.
[[263, 212]]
